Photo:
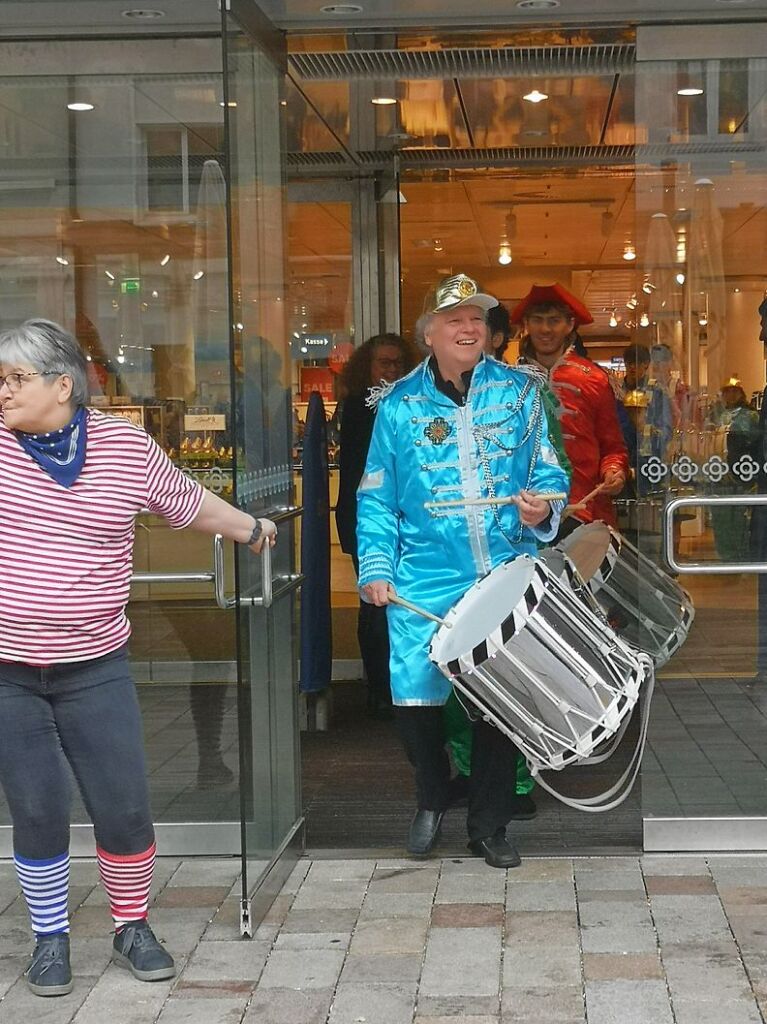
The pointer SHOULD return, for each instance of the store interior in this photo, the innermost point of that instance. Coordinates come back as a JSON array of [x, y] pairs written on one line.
[[531, 157]]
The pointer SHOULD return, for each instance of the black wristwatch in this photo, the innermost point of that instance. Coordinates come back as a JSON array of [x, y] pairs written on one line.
[[256, 535]]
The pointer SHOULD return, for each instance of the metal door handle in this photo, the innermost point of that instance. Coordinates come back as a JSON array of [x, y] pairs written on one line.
[[712, 501], [268, 594]]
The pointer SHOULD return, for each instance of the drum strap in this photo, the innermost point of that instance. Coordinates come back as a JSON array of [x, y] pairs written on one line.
[[616, 794]]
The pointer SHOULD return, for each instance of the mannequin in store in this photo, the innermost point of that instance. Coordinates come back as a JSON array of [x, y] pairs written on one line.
[[74, 482], [445, 428], [593, 439], [382, 359]]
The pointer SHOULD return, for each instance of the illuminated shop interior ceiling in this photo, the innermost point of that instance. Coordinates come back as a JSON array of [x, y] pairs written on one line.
[[544, 147]]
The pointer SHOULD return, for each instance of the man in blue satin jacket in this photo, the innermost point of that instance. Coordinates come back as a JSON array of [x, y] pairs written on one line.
[[458, 427]]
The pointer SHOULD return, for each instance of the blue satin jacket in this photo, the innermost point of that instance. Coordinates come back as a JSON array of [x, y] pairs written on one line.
[[426, 448]]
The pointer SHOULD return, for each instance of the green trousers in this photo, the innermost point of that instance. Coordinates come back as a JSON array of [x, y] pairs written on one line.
[[458, 733]]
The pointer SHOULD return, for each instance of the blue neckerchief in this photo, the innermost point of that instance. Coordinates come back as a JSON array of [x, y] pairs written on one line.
[[61, 453]]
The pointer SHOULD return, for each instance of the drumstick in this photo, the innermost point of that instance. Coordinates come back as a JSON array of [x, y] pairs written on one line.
[[395, 599], [584, 501], [550, 496]]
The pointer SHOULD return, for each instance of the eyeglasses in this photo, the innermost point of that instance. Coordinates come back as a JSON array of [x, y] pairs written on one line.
[[389, 364], [13, 381]]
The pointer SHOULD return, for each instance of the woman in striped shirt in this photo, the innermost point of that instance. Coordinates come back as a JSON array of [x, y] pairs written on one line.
[[72, 481]]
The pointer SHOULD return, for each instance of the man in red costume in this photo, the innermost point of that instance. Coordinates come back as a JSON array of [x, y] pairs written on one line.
[[593, 439]]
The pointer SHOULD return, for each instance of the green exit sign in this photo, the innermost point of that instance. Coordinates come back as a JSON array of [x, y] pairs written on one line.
[[129, 285]]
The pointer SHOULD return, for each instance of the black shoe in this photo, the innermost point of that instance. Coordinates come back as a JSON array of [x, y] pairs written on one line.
[[458, 791], [424, 832], [524, 808], [213, 772], [136, 948], [49, 973], [497, 851]]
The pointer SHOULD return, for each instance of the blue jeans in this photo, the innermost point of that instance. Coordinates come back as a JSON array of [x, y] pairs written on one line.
[[85, 714]]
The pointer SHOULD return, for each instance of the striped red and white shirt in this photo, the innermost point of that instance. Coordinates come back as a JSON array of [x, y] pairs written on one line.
[[66, 555]]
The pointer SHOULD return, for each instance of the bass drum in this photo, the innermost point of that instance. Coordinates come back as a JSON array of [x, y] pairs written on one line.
[[643, 604]]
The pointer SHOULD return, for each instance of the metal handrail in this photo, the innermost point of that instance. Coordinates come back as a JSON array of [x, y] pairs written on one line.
[[691, 568]]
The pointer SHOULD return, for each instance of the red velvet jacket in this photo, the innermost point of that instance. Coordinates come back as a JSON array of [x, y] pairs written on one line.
[[590, 430]]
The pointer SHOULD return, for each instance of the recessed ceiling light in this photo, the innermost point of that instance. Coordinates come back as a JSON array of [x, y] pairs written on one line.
[[141, 13], [80, 106], [535, 96], [690, 90], [229, 103], [383, 101], [536, 5], [341, 9]]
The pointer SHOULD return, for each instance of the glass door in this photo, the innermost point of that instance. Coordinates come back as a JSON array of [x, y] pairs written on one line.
[[265, 598], [701, 222]]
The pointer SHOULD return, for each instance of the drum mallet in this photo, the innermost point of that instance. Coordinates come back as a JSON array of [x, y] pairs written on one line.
[[510, 500], [395, 599]]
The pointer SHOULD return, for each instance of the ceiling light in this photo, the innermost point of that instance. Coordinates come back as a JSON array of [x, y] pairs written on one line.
[[504, 254], [644, 320], [736, 291], [198, 274], [680, 278], [62, 260], [629, 252], [632, 302], [341, 9], [110, 275], [155, 295], [438, 247], [165, 260], [80, 106], [537, 5], [648, 288], [690, 90], [613, 319], [535, 96], [702, 319], [143, 15], [383, 101], [229, 103]]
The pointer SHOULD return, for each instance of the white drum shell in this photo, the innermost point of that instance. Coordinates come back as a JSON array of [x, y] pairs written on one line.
[[643, 604], [551, 675]]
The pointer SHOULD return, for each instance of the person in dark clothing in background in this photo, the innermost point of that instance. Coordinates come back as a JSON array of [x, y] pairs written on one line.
[[382, 359]]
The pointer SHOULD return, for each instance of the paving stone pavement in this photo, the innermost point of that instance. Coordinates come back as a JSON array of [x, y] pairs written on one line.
[[602, 940]]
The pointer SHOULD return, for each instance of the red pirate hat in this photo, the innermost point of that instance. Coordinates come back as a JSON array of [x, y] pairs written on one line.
[[540, 294]]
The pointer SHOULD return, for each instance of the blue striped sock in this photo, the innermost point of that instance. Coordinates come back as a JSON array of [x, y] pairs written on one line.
[[45, 884]]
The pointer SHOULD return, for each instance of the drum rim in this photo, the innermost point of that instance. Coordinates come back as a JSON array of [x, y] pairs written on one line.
[[509, 627]]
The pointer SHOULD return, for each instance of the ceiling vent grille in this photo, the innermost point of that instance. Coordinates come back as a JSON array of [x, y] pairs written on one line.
[[479, 62], [524, 156]]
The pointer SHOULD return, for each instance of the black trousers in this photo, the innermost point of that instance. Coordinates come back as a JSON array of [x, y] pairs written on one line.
[[493, 778], [373, 638]]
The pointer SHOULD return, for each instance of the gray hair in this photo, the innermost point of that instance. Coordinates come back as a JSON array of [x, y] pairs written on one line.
[[48, 348], [422, 324]]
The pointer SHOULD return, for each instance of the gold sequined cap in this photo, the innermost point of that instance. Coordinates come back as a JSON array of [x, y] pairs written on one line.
[[458, 290]]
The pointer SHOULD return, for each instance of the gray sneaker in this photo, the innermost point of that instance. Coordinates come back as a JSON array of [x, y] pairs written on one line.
[[49, 973], [136, 948]]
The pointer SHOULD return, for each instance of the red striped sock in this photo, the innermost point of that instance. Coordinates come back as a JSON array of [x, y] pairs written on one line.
[[127, 880]]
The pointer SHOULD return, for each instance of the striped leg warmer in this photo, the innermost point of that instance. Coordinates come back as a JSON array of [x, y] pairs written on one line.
[[45, 884], [126, 879]]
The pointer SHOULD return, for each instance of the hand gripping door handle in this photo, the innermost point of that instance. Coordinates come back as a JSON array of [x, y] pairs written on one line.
[[267, 594]]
